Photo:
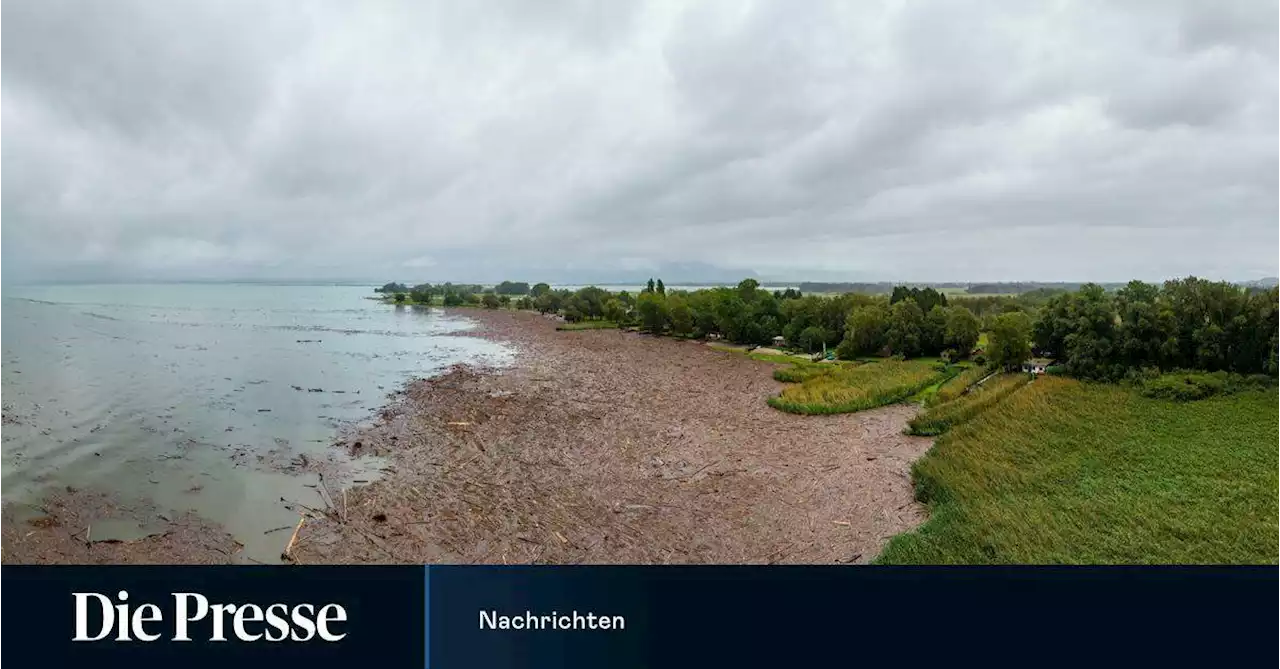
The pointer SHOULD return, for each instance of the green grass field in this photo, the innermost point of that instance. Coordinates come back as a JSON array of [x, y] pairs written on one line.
[[1068, 472], [588, 325], [942, 417], [826, 388], [955, 386]]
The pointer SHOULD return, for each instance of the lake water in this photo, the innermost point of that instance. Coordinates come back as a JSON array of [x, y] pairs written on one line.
[[171, 392]]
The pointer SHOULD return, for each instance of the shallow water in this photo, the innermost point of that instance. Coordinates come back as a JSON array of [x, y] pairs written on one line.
[[185, 393]]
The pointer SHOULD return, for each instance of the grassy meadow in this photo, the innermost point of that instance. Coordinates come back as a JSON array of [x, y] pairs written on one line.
[[588, 325], [939, 418], [825, 388], [1069, 472], [954, 386]]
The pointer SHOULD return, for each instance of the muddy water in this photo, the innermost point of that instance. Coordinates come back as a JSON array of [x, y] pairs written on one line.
[[204, 396]]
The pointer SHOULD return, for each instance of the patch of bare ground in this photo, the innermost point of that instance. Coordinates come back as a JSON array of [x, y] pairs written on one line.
[[603, 446], [82, 527]]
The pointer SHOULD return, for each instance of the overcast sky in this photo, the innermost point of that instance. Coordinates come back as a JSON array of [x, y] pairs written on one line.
[[479, 140]]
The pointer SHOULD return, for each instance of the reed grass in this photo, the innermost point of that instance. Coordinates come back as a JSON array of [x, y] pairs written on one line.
[[956, 385], [830, 388], [942, 417], [1064, 472]]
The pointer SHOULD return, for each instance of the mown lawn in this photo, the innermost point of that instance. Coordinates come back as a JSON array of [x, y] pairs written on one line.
[[841, 388], [1066, 472]]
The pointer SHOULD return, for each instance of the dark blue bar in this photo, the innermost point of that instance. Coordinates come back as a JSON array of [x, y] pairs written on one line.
[[680, 616], [860, 616], [383, 605]]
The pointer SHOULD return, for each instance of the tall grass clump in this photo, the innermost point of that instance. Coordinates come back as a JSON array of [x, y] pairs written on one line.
[[956, 385], [803, 371], [1191, 385], [943, 417], [1066, 472], [843, 388], [587, 325]]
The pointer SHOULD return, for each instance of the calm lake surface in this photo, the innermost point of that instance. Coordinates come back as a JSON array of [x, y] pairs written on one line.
[[171, 392]]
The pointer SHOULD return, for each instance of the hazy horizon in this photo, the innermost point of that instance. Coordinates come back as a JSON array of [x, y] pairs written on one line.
[[600, 142]]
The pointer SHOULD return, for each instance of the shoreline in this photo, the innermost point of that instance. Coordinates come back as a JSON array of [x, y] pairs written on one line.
[[604, 446], [595, 446]]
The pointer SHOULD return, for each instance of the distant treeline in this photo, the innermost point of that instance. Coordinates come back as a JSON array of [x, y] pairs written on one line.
[[1184, 324], [993, 288], [1093, 333], [910, 322]]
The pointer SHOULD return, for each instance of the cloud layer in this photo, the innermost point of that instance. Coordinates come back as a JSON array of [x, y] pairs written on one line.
[[921, 141]]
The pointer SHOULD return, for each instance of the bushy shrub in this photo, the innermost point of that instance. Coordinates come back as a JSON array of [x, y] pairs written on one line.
[[1183, 387], [1191, 386], [846, 350]]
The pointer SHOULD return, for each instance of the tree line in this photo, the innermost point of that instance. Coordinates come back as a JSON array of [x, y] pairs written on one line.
[[1093, 333], [1183, 324], [911, 322]]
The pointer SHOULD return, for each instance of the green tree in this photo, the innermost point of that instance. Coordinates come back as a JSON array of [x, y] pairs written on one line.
[[1009, 340], [512, 288], [591, 301], [614, 311], [548, 302], [538, 290], [662, 290], [679, 314], [423, 293], [933, 336], [962, 331], [906, 328], [652, 309], [813, 338], [490, 301], [866, 331], [648, 288]]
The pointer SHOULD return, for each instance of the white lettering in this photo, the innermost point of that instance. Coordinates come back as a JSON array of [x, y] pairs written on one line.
[[278, 622], [82, 616], [180, 600], [147, 613], [339, 615], [304, 622], [247, 613], [218, 611]]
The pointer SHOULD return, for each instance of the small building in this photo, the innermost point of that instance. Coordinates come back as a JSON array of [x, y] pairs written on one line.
[[779, 341], [1036, 365]]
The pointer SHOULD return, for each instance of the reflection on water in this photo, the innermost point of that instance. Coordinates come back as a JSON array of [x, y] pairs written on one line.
[[183, 393]]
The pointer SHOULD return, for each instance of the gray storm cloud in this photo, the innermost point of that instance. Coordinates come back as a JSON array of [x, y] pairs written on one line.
[[472, 141]]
